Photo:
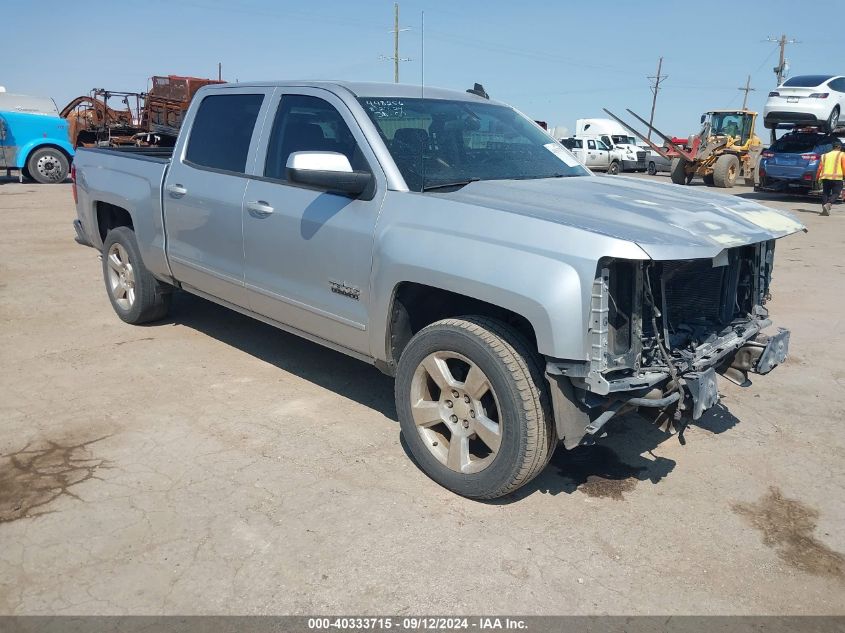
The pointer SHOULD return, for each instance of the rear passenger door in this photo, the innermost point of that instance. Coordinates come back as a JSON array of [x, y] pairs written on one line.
[[308, 253], [204, 191]]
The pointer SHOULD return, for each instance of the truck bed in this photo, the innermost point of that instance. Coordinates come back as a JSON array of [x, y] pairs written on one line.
[[158, 154]]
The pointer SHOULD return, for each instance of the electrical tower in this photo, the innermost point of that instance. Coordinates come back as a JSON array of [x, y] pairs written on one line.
[[747, 88], [780, 69], [655, 87]]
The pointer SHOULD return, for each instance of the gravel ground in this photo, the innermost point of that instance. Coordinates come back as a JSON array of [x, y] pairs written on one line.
[[212, 464]]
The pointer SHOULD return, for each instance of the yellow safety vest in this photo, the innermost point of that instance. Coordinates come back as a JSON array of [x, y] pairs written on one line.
[[832, 166]]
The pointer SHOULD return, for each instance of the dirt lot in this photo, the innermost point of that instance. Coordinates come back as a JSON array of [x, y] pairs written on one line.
[[211, 464]]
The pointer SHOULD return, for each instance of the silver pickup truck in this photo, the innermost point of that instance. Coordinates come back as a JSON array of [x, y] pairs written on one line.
[[519, 300]]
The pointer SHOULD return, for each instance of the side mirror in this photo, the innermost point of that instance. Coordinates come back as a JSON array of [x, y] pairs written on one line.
[[327, 170], [703, 116]]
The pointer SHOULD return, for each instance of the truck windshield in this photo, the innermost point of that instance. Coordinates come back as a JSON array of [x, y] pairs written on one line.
[[435, 142], [620, 139]]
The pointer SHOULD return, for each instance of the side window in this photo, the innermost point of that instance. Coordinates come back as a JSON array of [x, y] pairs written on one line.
[[606, 140], [602, 146], [579, 144], [222, 130], [591, 145], [304, 124], [838, 84]]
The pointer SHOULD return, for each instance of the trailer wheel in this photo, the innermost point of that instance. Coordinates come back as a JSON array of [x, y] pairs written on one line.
[[48, 165], [678, 171], [726, 171]]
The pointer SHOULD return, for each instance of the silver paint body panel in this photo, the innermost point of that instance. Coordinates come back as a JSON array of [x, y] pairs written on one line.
[[530, 246]]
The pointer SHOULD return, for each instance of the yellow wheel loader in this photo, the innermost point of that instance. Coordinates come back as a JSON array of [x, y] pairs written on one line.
[[725, 149]]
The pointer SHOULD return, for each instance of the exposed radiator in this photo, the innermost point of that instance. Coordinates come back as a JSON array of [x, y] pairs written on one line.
[[694, 292]]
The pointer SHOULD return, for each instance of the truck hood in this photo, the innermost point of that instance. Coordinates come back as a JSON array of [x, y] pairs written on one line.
[[666, 221]]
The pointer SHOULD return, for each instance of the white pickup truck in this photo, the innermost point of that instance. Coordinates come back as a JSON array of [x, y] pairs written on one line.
[[520, 300], [595, 154]]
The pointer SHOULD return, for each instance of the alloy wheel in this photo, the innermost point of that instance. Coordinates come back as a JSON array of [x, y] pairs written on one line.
[[121, 276], [456, 412]]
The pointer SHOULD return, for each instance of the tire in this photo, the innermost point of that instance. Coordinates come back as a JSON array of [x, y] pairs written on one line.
[[652, 168], [833, 119], [48, 165], [613, 169], [136, 296], [510, 395], [726, 171], [677, 172], [708, 179]]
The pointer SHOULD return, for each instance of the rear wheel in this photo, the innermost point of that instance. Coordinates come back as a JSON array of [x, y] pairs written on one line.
[[473, 407], [678, 171], [48, 165], [833, 119], [652, 168], [726, 171], [136, 296]]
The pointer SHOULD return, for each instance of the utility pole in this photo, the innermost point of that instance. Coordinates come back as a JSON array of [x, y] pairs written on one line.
[[395, 57], [219, 71], [396, 43], [780, 69], [747, 89], [657, 79]]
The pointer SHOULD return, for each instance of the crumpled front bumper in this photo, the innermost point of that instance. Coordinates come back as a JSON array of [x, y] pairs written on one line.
[[580, 413]]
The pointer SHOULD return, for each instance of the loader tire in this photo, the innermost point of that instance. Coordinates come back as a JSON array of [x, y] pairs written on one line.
[[678, 173], [725, 171]]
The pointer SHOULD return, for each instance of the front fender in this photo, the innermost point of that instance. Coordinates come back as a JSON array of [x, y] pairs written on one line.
[[546, 291], [24, 151]]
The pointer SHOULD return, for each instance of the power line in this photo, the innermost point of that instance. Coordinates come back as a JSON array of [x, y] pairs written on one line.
[[747, 89], [655, 88], [780, 69]]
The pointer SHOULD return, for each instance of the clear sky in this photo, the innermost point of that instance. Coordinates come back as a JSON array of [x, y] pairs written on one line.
[[555, 60]]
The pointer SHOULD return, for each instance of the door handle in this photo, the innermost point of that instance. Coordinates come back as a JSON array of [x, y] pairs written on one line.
[[259, 209], [176, 191]]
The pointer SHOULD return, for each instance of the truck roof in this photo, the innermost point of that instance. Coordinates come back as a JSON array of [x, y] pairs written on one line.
[[371, 89], [27, 104]]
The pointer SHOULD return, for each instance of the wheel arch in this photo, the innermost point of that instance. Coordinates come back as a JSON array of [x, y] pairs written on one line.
[[26, 152]]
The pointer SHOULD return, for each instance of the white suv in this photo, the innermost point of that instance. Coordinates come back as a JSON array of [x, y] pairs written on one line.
[[807, 100]]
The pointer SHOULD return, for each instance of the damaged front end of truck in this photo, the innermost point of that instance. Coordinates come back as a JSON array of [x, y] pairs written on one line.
[[661, 331]]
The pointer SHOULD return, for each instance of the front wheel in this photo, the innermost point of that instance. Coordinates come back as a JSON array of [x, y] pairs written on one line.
[[678, 171], [473, 407], [613, 169], [136, 296], [48, 165]]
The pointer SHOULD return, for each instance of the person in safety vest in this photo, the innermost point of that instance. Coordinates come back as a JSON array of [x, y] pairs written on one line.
[[831, 173]]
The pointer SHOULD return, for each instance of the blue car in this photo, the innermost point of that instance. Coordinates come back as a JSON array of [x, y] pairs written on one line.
[[34, 138], [790, 164]]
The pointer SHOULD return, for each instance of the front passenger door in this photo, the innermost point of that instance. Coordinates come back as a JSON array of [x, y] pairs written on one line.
[[308, 252]]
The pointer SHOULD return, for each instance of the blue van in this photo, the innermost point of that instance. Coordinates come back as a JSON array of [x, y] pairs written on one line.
[[790, 163], [34, 138]]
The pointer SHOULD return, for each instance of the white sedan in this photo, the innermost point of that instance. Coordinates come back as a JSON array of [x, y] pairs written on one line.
[[807, 100]]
